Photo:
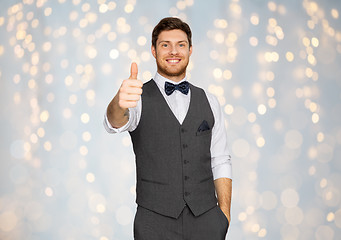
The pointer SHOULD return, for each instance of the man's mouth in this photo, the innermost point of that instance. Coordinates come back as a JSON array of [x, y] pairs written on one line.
[[173, 60]]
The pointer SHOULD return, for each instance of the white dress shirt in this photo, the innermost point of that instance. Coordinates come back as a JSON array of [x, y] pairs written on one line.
[[179, 103]]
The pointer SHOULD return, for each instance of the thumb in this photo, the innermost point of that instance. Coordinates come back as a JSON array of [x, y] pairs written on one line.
[[133, 71]]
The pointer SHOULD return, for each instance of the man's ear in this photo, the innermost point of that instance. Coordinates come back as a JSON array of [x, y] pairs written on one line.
[[153, 51], [190, 50]]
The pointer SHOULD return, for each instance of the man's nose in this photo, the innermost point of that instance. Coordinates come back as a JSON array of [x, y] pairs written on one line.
[[173, 50]]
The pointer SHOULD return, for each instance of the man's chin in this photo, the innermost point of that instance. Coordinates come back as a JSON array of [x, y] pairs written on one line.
[[175, 73]]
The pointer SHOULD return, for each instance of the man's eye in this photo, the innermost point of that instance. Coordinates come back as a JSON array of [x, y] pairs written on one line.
[[182, 45], [164, 45]]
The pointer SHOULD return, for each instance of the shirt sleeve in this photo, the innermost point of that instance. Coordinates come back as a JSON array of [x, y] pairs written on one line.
[[220, 155], [131, 125]]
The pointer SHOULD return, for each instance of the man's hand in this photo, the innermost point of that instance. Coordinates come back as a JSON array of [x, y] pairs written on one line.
[[130, 90], [127, 97], [223, 187]]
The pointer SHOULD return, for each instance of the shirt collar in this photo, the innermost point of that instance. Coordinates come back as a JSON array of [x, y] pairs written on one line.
[[160, 80]]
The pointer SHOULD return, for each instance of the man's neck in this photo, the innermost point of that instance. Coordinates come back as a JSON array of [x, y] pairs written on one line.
[[177, 79]]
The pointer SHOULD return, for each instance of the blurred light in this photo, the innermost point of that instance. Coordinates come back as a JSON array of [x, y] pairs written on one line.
[[315, 118], [48, 192], [217, 73], [335, 13], [242, 216], [253, 41], [254, 19], [235, 8], [48, 146], [181, 5], [147, 75], [48, 11], [44, 116], [111, 5], [123, 46], [90, 177], [141, 40], [252, 117], [315, 42], [261, 109], [129, 8], [237, 92], [272, 103], [8, 221], [219, 37], [262, 232], [220, 23], [83, 150], [313, 107], [289, 198], [103, 8], [260, 142], [324, 233], [272, 6], [289, 56], [86, 136], [228, 109], [227, 74], [67, 113], [270, 92]]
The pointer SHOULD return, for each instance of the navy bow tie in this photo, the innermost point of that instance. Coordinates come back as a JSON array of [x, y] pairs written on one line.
[[182, 87]]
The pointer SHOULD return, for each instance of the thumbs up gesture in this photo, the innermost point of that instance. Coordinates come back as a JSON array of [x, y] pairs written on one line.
[[130, 90]]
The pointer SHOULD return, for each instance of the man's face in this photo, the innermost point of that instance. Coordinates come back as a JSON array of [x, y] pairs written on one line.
[[172, 54]]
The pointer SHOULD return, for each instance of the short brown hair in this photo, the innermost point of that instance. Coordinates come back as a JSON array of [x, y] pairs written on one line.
[[171, 23]]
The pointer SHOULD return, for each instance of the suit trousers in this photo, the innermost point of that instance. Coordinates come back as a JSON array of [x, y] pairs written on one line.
[[211, 225]]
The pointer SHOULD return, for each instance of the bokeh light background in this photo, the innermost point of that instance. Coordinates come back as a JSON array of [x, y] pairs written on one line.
[[275, 67]]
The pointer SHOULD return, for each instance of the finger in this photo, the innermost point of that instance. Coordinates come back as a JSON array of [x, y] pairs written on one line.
[[134, 91], [132, 83], [127, 104], [133, 71], [129, 97]]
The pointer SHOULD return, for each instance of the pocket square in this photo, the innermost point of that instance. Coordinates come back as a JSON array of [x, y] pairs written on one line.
[[203, 126]]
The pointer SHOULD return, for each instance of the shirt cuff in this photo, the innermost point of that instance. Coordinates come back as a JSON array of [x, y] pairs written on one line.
[[223, 170], [111, 129]]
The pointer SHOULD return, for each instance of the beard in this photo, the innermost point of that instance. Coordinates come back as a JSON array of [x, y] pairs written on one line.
[[171, 72], [174, 71]]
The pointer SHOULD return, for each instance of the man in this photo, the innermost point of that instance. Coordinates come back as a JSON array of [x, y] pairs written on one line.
[[178, 134]]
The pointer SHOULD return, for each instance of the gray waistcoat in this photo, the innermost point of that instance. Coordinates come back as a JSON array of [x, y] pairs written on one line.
[[173, 161]]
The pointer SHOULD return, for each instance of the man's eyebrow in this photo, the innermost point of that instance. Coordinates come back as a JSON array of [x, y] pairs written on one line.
[[165, 41]]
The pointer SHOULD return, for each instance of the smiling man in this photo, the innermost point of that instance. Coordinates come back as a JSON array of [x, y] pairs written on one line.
[[183, 165]]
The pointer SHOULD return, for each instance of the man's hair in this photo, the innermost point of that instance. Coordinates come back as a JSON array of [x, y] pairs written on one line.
[[171, 23]]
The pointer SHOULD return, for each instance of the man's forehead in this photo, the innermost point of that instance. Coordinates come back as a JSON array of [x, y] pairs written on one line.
[[173, 35]]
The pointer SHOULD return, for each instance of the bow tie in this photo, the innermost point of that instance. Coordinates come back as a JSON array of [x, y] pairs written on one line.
[[182, 87]]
